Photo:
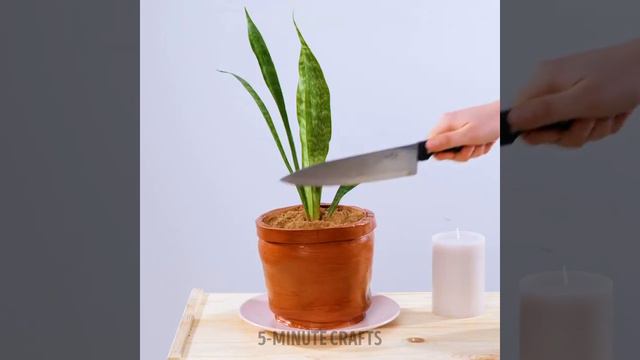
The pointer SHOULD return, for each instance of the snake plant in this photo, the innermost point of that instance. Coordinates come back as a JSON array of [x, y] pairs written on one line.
[[312, 109]]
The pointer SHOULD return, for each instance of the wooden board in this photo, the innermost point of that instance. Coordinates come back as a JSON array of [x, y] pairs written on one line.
[[211, 328]]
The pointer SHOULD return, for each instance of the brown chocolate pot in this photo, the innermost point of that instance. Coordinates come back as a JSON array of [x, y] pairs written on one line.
[[318, 279]]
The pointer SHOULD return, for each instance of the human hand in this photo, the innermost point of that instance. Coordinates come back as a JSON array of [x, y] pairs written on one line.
[[598, 89], [476, 129]]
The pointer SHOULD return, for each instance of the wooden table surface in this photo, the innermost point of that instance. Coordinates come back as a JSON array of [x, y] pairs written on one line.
[[211, 328]]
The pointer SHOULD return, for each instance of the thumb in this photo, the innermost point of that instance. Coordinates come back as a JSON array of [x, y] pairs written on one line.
[[446, 140], [545, 110]]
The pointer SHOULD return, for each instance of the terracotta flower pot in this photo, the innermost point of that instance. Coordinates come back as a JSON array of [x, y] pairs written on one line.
[[317, 279]]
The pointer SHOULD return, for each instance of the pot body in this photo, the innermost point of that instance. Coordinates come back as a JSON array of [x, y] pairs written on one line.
[[317, 279]]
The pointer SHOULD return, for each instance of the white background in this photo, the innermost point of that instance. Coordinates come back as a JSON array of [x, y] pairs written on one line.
[[209, 166]]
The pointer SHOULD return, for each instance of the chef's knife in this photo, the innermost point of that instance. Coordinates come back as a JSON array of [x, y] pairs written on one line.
[[387, 164], [508, 136], [375, 166]]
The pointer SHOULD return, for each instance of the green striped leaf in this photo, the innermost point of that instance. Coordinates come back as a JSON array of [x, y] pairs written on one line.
[[272, 128], [270, 76], [314, 117], [342, 191], [266, 115]]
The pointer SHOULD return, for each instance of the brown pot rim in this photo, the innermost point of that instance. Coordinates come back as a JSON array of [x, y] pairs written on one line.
[[353, 231]]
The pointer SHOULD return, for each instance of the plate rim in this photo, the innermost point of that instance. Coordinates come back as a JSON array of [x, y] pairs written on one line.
[[344, 329]]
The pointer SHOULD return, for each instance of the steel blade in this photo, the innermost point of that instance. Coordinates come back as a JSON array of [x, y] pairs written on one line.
[[375, 166]]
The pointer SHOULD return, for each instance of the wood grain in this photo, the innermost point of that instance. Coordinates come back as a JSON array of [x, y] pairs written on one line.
[[214, 330], [188, 323]]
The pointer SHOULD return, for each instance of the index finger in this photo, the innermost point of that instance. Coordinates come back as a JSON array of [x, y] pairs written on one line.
[[545, 110]]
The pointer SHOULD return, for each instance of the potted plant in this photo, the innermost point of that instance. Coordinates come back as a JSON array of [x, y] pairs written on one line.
[[316, 258]]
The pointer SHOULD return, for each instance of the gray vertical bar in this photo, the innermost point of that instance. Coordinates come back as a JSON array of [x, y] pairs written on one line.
[[69, 193], [569, 239]]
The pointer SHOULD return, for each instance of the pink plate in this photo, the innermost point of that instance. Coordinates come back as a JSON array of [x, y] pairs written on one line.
[[382, 311]]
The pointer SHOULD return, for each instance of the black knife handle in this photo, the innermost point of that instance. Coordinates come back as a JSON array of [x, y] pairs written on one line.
[[508, 136], [424, 154]]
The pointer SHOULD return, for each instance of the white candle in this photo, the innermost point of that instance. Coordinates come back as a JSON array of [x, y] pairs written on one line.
[[458, 274], [566, 315]]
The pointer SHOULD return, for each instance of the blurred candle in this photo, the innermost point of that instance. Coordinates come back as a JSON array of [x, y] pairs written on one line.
[[458, 274], [566, 315]]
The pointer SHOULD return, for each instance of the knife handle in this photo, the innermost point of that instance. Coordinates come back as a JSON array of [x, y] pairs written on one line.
[[508, 136], [424, 154]]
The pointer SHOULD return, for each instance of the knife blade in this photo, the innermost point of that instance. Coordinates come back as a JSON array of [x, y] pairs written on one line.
[[375, 166], [388, 164]]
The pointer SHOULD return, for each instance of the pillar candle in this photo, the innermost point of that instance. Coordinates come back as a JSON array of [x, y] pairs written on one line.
[[566, 315], [458, 274]]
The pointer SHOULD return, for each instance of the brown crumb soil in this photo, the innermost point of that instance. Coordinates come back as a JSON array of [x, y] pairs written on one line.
[[295, 218]]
